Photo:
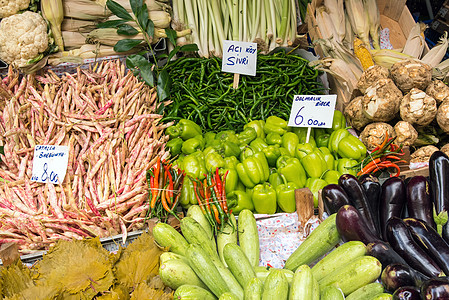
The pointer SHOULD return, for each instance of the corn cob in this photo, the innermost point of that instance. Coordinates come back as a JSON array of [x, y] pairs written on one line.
[[387, 57], [363, 54], [414, 45], [337, 16], [52, 11], [372, 11], [358, 19], [437, 53]]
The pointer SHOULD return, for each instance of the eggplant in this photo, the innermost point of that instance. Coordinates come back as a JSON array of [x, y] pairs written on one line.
[[419, 203], [372, 189], [439, 183], [356, 194], [334, 197], [435, 289], [407, 293], [396, 275], [401, 240], [384, 253], [352, 227], [392, 201], [429, 240]]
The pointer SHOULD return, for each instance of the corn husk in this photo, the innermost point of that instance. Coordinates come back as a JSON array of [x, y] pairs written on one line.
[[152, 5], [325, 24], [85, 10], [339, 69], [75, 25], [414, 45], [437, 53], [337, 15], [373, 14], [387, 57], [161, 19], [349, 34], [52, 11], [73, 40], [358, 19], [441, 70]]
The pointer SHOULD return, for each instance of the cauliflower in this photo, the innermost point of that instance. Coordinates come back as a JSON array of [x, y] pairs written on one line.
[[406, 134], [354, 113], [374, 134], [370, 76], [411, 73], [443, 116], [418, 108], [438, 90], [381, 101], [422, 154], [445, 149], [11, 7], [22, 37]]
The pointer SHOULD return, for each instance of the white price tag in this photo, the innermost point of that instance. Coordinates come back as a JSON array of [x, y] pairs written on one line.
[[312, 111], [239, 57], [50, 163]]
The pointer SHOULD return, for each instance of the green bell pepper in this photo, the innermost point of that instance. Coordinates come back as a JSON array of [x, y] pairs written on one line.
[[345, 166], [328, 157], [351, 147], [210, 149], [193, 165], [276, 125], [264, 163], [335, 139], [272, 153], [258, 144], [184, 129], [301, 132], [249, 192], [253, 170], [275, 179], [331, 176], [175, 146], [292, 169], [238, 201], [314, 163], [338, 121], [273, 138], [321, 137], [232, 179], [227, 136], [258, 125], [264, 198], [247, 135], [284, 152], [230, 149], [193, 144], [304, 149], [248, 151], [213, 161], [231, 162], [290, 141], [209, 138], [285, 195], [314, 185], [187, 196]]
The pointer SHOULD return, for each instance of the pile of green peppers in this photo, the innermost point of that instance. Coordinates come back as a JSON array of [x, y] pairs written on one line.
[[266, 162]]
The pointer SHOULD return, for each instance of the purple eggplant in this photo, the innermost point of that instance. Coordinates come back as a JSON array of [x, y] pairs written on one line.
[[401, 240], [430, 241], [334, 197], [357, 195], [384, 253], [407, 293], [395, 276], [392, 201], [372, 189], [352, 227], [419, 203], [439, 191], [435, 289]]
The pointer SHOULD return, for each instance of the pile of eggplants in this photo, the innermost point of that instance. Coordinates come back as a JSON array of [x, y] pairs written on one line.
[[396, 221]]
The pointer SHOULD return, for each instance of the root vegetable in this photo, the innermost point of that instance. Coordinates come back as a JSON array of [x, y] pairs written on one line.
[[354, 114], [443, 116], [422, 154], [370, 76], [418, 108], [411, 73], [438, 90], [375, 133], [445, 149], [406, 134], [381, 101]]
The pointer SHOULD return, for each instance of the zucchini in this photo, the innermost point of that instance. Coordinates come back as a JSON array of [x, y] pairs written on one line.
[[176, 272], [228, 296], [227, 235], [360, 272], [332, 293], [192, 292], [249, 236], [383, 296], [227, 276], [195, 234], [253, 290], [195, 212], [262, 273], [318, 243], [302, 284], [366, 292], [166, 256], [238, 263], [201, 262], [275, 286], [316, 290], [341, 256], [167, 236]]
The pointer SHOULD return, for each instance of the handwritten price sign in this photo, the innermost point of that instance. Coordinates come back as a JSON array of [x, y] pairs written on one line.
[[312, 111], [50, 163], [239, 57]]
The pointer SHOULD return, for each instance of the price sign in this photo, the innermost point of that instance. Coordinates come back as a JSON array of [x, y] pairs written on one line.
[[239, 57], [312, 111], [50, 163]]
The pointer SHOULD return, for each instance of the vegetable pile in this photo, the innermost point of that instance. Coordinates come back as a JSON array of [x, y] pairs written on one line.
[[108, 120], [202, 93]]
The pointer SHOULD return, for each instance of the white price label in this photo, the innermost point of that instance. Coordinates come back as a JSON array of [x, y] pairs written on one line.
[[312, 111], [239, 57], [50, 163]]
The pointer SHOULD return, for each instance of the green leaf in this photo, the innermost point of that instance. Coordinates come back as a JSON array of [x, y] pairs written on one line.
[[173, 53], [136, 5], [142, 17], [141, 63], [163, 85], [126, 45], [118, 10], [147, 74], [150, 28], [171, 35], [127, 29], [111, 24], [189, 48]]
